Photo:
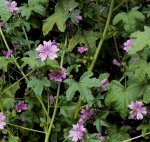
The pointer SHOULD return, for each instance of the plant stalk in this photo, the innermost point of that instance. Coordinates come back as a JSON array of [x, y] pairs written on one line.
[[97, 51]]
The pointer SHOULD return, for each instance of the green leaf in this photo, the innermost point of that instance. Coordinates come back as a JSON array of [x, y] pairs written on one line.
[[88, 38], [83, 86], [8, 98], [34, 62], [119, 98], [139, 69], [13, 139], [38, 84], [4, 11], [144, 127], [117, 135], [141, 40], [147, 11], [99, 123], [92, 138], [26, 11], [129, 19], [38, 6], [146, 95], [59, 18], [4, 61], [75, 40]]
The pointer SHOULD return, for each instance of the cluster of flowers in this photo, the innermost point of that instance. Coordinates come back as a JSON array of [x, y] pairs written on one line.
[[77, 133]]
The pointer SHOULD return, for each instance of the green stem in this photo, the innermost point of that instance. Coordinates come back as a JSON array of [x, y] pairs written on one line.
[[54, 113], [119, 5], [57, 98], [129, 140], [102, 38], [28, 129], [77, 108], [24, 31], [97, 52], [25, 77], [15, 83]]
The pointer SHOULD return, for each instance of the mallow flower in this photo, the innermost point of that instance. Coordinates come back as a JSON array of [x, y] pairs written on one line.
[[104, 83], [12, 6], [21, 106], [77, 133], [127, 44], [115, 62], [82, 49], [57, 75], [2, 121], [86, 113], [137, 110], [47, 50]]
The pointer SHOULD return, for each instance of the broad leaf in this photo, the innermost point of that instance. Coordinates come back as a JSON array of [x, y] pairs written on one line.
[[129, 19], [99, 123], [8, 98], [4, 61], [38, 85], [141, 40], [88, 38], [4, 11], [146, 95], [119, 98], [59, 18], [83, 86]]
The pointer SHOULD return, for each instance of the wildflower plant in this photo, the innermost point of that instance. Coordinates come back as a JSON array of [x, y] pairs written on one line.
[[74, 71]]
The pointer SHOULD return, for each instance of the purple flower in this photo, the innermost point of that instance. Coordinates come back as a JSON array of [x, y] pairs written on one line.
[[51, 98], [79, 17], [57, 75], [47, 50], [137, 110], [82, 49], [12, 6], [21, 106], [99, 135], [127, 45], [86, 113], [115, 62], [2, 24], [2, 121], [104, 83], [8, 53], [77, 132], [17, 46]]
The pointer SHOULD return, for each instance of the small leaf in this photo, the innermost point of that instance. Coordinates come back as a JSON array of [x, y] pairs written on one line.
[[4, 11], [83, 86], [141, 40], [99, 123], [38, 85]]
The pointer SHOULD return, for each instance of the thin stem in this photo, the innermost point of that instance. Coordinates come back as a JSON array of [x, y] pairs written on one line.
[[103, 37], [28, 129], [116, 47], [98, 17], [119, 5], [24, 31], [39, 99], [97, 51], [54, 113], [136, 137], [57, 98], [15, 83]]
